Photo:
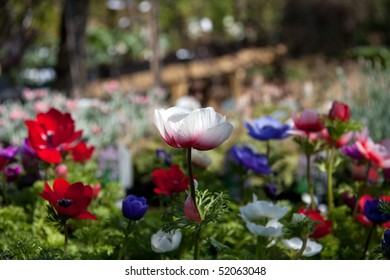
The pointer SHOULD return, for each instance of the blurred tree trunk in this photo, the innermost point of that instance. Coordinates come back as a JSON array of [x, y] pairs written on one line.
[[155, 63], [71, 65]]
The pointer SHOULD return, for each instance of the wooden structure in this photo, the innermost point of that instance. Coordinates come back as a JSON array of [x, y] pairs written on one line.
[[176, 76]]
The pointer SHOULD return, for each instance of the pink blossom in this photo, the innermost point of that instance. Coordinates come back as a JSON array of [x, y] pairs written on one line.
[[17, 114], [61, 170], [29, 94], [376, 153], [308, 121], [96, 129], [71, 104], [111, 86], [41, 107], [342, 141]]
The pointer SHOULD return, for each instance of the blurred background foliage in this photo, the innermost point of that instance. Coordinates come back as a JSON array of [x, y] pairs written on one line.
[[117, 35]]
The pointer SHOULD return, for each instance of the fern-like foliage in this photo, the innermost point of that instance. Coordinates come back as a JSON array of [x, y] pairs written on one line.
[[213, 207]]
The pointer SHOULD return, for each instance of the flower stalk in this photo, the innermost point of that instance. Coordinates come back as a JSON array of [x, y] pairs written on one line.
[[309, 184], [330, 179], [300, 252], [128, 230], [369, 236], [66, 233], [192, 185], [260, 248], [4, 187], [367, 176], [197, 242]]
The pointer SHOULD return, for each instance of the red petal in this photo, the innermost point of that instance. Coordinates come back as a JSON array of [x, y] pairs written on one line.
[[75, 191], [48, 121], [48, 194], [190, 211], [50, 155], [36, 134], [86, 215], [60, 187]]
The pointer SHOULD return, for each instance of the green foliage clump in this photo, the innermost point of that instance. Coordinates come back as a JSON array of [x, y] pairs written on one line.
[[370, 106]]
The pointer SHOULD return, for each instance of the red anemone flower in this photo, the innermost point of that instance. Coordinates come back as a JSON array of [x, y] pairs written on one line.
[[81, 153], [339, 111], [69, 200], [308, 121], [323, 228], [51, 134], [3, 162], [170, 181]]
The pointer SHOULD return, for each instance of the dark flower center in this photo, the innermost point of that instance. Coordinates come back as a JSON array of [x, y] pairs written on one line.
[[64, 202], [49, 138]]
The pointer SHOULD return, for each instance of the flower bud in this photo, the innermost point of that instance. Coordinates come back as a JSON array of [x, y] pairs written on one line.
[[190, 211], [163, 242], [61, 170], [339, 111], [134, 208]]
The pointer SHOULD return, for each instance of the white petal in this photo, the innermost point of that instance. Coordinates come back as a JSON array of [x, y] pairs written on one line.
[[213, 137], [255, 229], [161, 120], [269, 231], [271, 211], [166, 241], [294, 243], [306, 198], [312, 248]]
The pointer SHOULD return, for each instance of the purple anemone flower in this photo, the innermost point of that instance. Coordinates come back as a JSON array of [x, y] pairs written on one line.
[[9, 153], [247, 158], [373, 212], [267, 128], [164, 156], [352, 151], [134, 207]]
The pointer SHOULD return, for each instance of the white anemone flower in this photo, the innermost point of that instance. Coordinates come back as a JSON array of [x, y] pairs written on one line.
[[166, 241], [306, 198], [200, 159], [202, 129], [312, 247], [258, 210], [272, 229]]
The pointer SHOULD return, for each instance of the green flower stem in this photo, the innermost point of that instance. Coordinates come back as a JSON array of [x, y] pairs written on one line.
[[260, 248], [368, 241], [197, 242], [4, 187], [367, 175], [192, 185], [242, 185], [66, 237], [300, 252], [309, 184], [193, 196], [330, 179], [127, 233]]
